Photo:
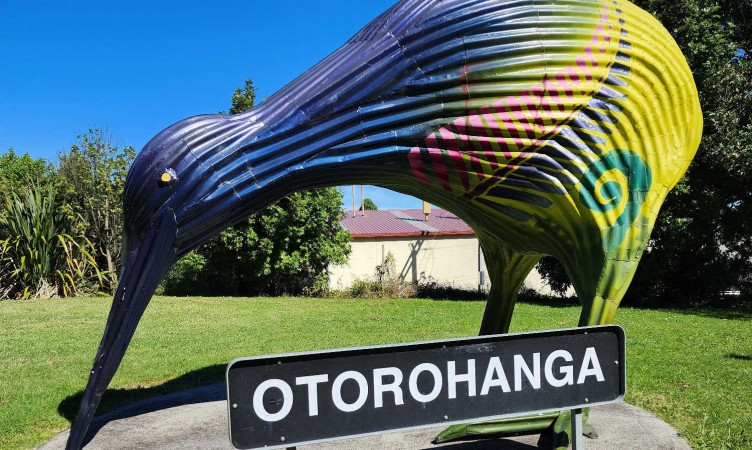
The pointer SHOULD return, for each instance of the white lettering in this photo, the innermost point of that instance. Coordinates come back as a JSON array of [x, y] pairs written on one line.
[[413, 382], [313, 396], [379, 387], [337, 391], [533, 376], [567, 371], [425, 382], [258, 400], [590, 359], [495, 376], [453, 378]]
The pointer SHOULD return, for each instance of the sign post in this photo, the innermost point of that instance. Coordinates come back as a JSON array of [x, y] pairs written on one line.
[[577, 429], [284, 400]]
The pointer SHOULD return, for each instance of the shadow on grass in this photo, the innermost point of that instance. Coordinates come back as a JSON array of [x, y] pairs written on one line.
[[532, 297], [434, 290], [731, 313], [739, 357], [447, 292], [725, 308], [119, 403], [741, 310]]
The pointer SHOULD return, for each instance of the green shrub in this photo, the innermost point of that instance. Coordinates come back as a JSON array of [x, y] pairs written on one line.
[[38, 258], [386, 283], [186, 276], [361, 288], [286, 248], [430, 288]]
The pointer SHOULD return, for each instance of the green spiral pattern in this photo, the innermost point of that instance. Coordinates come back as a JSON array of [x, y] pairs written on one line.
[[639, 179]]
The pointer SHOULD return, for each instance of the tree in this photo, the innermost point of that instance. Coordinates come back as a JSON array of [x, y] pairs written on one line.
[[702, 242], [285, 248], [91, 182], [19, 172], [369, 205], [243, 98]]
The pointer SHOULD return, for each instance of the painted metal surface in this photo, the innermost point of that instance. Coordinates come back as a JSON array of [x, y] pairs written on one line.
[[549, 126]]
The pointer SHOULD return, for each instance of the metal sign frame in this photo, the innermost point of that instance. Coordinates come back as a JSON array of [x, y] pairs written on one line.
[[275, 364]]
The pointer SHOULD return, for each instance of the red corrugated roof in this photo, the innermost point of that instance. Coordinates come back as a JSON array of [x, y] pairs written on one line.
[[404, 222]]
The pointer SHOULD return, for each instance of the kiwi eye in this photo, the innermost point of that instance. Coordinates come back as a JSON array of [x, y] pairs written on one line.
[[166, 178]]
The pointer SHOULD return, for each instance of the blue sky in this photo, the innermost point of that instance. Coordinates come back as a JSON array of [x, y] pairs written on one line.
[[136, 67]]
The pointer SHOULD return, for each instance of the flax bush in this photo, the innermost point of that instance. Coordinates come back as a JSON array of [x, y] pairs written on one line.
[[38, 258]]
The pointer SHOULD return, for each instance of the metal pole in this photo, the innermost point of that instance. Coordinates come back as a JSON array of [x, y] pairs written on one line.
[[353, 197], [362, 200], [577, 429], [481, 278]]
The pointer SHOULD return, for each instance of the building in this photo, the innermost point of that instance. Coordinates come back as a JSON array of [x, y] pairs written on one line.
[[438, 246]]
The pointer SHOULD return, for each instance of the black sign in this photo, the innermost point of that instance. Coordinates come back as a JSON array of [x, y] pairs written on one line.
[[280, 401]]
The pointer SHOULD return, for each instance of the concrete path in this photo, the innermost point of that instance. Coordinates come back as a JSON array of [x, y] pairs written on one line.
[[197, 419]]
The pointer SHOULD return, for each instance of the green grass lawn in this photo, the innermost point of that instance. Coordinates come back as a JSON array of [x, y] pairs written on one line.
[[693, 369]]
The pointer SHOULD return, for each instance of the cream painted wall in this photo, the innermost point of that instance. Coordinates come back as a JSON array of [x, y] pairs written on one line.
[[447, 259]]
